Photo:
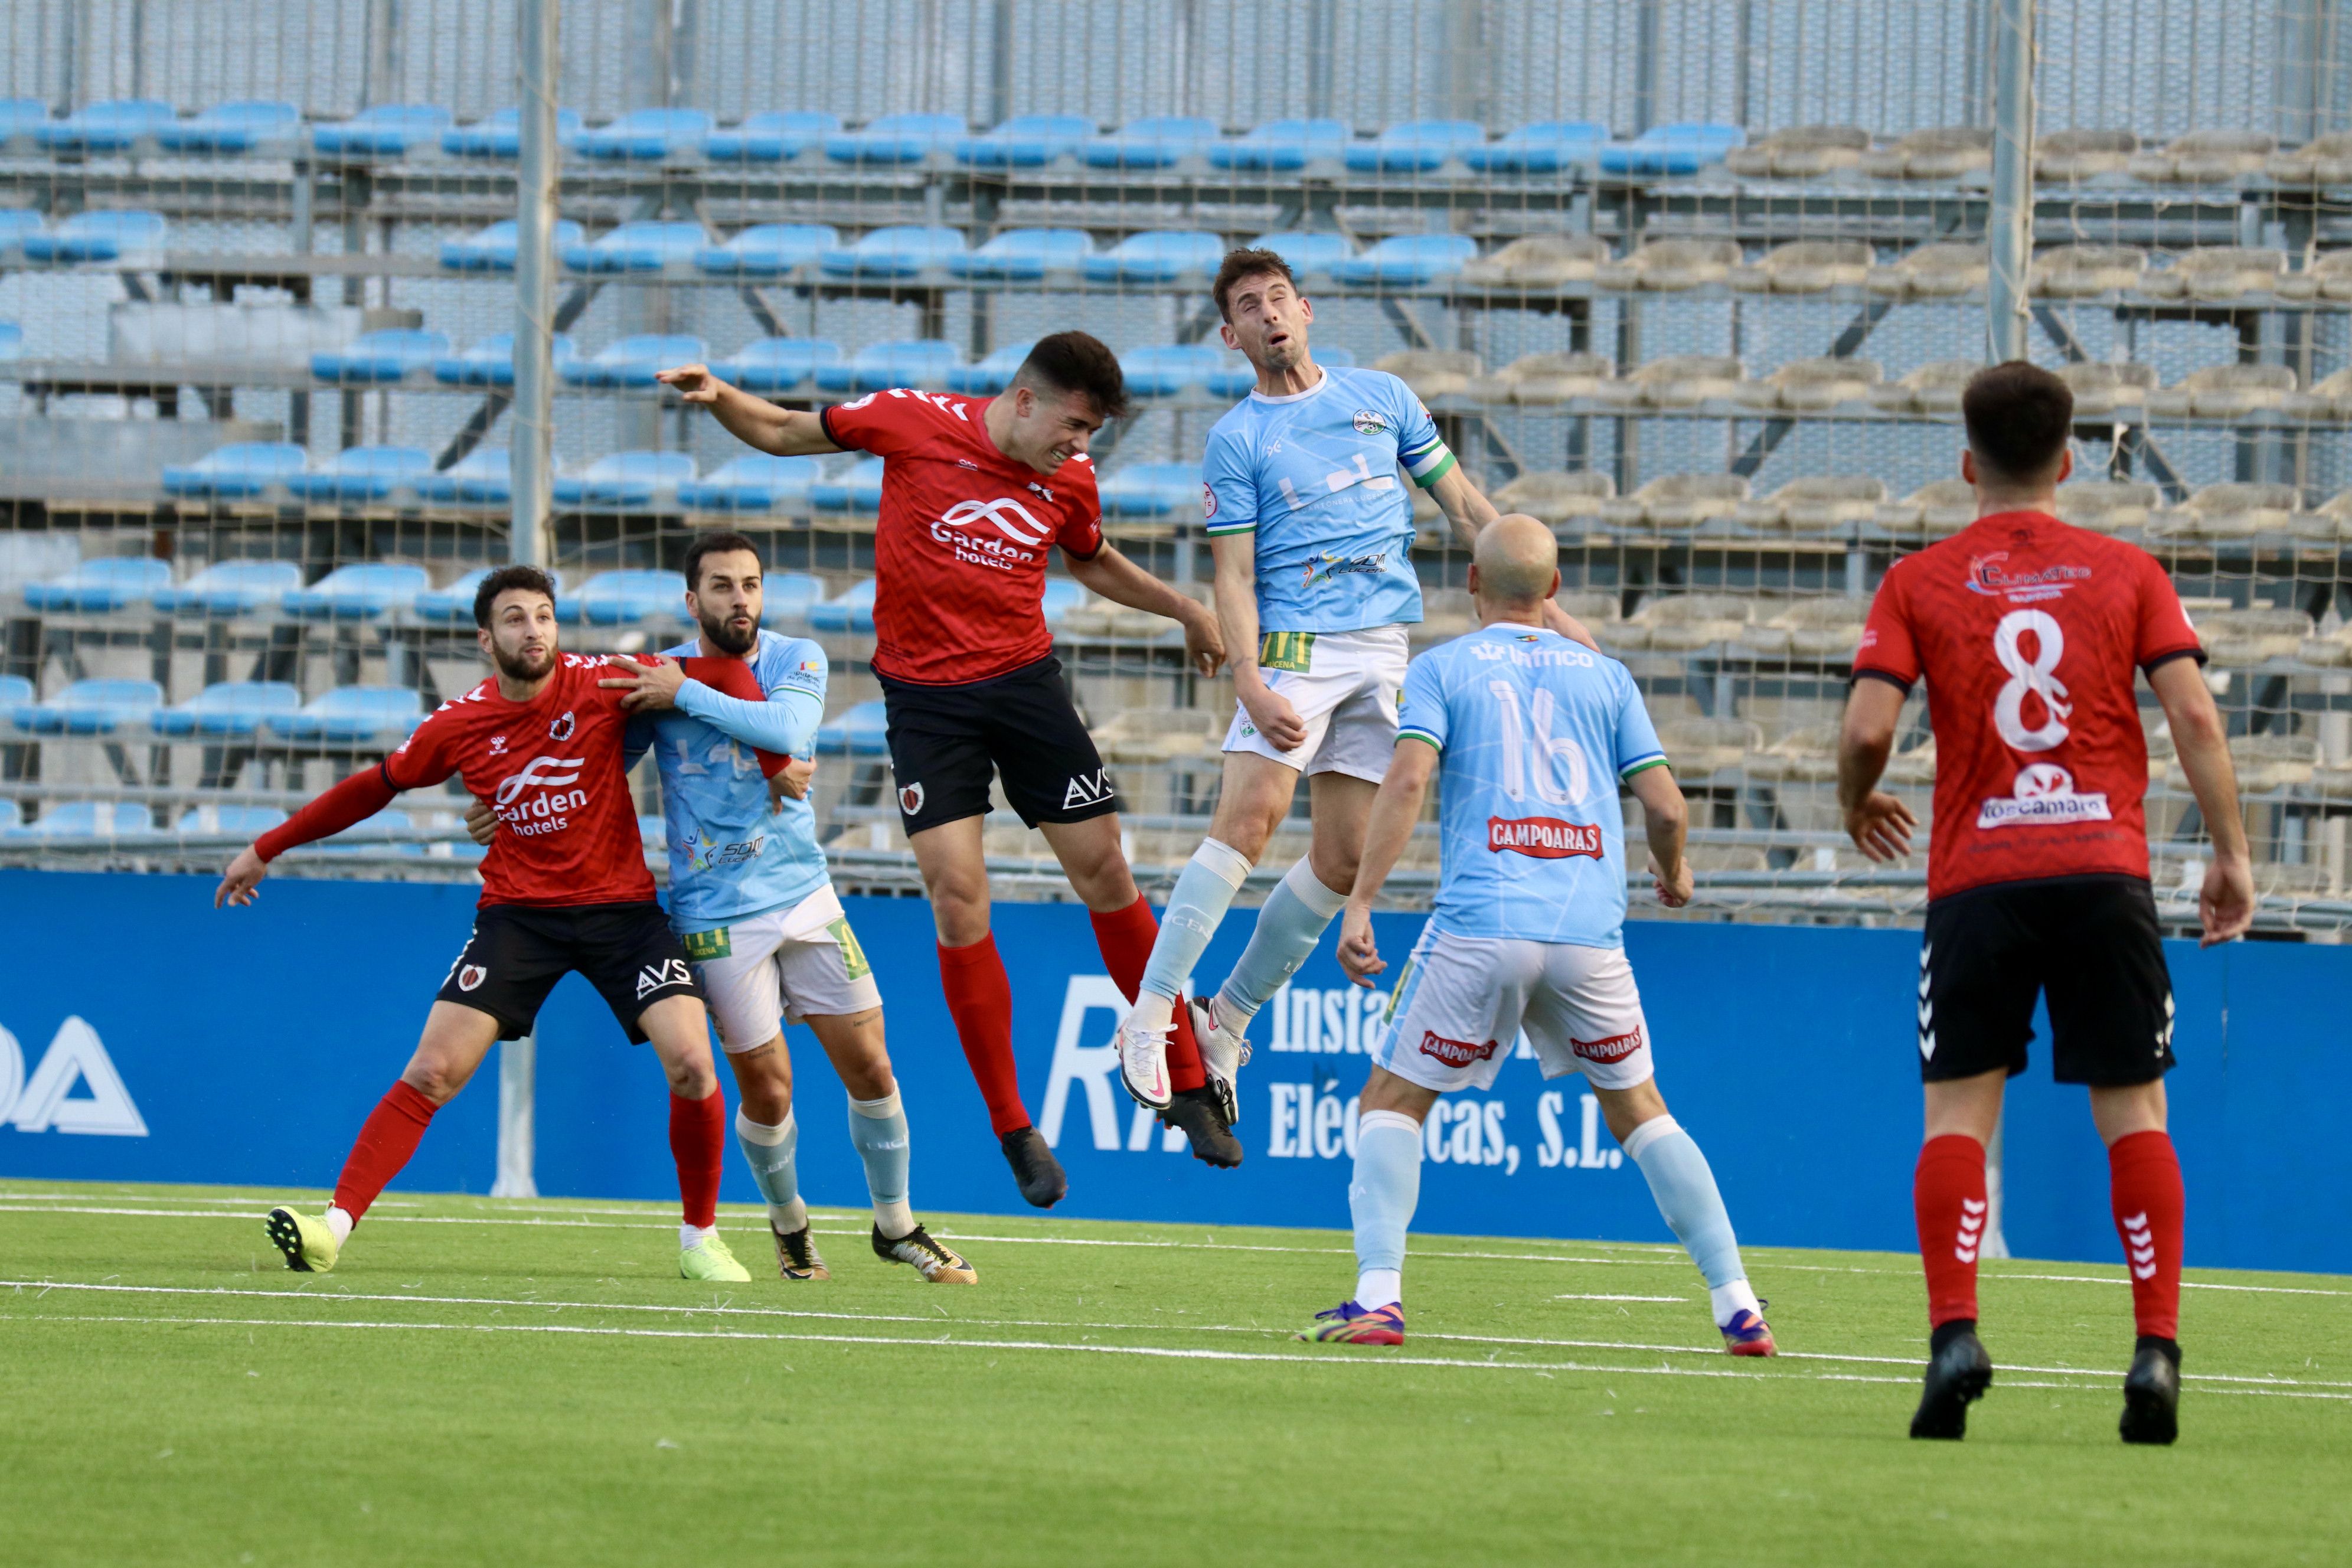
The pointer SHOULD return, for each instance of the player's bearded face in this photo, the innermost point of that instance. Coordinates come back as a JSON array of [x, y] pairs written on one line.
[[728, 603], [522, 637]]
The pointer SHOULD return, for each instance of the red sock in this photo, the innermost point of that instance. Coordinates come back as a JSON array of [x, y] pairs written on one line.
[[2143, 1176], [697, 1141], [1948, 1193], [980, 999], [387, 1138], [1126, 937]]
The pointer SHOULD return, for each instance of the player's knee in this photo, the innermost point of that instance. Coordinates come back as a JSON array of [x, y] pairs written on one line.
[[437, 1081], [692, 1078], [959, 910]]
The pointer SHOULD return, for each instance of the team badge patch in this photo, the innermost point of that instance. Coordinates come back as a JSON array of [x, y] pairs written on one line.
[[910, 799], [561, 728], [702, 946], [1208, 501], [1370, 423], [470, 976]]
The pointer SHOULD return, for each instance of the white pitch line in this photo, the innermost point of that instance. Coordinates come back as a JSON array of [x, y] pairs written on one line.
[[1573, 1297]]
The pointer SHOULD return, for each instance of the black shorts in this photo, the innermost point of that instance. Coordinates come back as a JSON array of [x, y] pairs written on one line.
[[519, 951], [944, 739], [2090, 945]]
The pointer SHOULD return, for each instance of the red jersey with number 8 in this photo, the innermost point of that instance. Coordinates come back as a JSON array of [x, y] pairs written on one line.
[[2027, 632]]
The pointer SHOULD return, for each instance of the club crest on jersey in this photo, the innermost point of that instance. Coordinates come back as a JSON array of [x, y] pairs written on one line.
[[470, 976], [1208, 500], [1040, 490], [1370, 422], [910, 799], [1456, 1053], [560, 729], [1543, 837]]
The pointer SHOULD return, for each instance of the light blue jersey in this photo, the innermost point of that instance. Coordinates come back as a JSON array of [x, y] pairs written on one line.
[[1314, 476], [730, 857], [1534, 732]]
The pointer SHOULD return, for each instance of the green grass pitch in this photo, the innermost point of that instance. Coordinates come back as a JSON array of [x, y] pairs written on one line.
[[528, 1383]]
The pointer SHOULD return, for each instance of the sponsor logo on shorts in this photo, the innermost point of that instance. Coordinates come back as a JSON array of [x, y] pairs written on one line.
[[853, 957], [470, 976], [2043, 793], [1456, 1053], [910, 799], [1087, 789], [1369, 422], [1543, 837], [561, 730], [1615, 1048], [668, 972], [702, 946]]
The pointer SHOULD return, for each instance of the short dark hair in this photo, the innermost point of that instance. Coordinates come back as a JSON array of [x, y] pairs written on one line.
[[2019, 418], [1076, 363], [725, 542], [1240, 263], [507, 579]]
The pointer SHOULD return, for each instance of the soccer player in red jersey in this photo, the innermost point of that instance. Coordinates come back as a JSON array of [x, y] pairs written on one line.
[[2026, 633], [974, 493], [564, 887]]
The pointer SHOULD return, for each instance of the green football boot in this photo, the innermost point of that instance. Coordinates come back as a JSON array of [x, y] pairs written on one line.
[[710, 1259], [308, 1246]]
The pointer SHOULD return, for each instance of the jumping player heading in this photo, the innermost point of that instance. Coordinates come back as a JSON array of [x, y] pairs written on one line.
[[2026, 633], [975, 491]]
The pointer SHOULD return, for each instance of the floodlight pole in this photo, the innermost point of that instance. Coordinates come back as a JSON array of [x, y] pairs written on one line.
[[2009, 230]]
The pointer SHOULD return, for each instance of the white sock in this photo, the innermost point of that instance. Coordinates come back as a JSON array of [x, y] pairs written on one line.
[[1731, 1301], [693, 1236], [1203, 891], [1378, 1288], [340, 1222]]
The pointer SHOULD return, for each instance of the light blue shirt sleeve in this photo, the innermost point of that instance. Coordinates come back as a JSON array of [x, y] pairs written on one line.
[[1420, 708], [1229, 503], [1420, 449], [785, 723], [1637, 738]]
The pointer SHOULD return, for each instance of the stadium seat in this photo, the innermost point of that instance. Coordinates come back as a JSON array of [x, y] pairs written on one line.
[[227, 707], [454, 605], [899, 361], [500, 135], [856, 488], [381, 715], [1817, 503], [1680, 501], [2223, 392], [1807, 267], [109, 583], [1407, 260], [1682, 148], [387, 832], [2327, 275], [769, 249], [786, 597], [1151, 490], [1282, 144], [92, 708], [1799, 152], [2077, 271], [624, 598], [896, 139], [492, 250], [1561, 498], [2069, 157], [12, 341], [645, 135], [1170, 370], [89, 819], [1545, 378], [1942, 152], [1310, 256], [482, 477], [2217, 272], [16, 226], [392, 355], [21, 117], [1538, 261], [230, 588], [1154, 142], [1936, 272], [1062, 596], [637, 248], [901, 251], [756, 483], [2100, 388], [1815, 385], [2205, 157], [632, 361], [2105, 506], [383, 130], [1157, 256], [362, 474], [1681, 381], [1021, 255], [112, 125], [777, 364], [623, 479], [228, 821], [1541, 148], [16, 692], [126, 237], [771, 136], [1672, 265], [362, 591], [2325, 160], [237, 471], [861, 731], [1417, 146], [993, 374], [490, 362], [237, 126], [1023, 142], [851, 610], [1433, 373]]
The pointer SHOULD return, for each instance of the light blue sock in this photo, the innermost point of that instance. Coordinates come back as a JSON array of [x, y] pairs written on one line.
[[768, 1152], [879, 1129], [1687, 1195], [1288, 927], [1204, 892], [1381, 1199]]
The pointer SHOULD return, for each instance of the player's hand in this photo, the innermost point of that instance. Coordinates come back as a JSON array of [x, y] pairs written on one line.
[[237, 882], [649, 685], [692, 383], [1673, 891], [1881, 827], [2226, 903], [481, 822], [792, 781], [1357, 954], [1276, 718], [1204, 643]]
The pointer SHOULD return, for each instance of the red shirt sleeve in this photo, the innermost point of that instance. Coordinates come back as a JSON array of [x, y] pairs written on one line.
[[1887, 650], [2164, 632], [883, 423], [1080, 535], [734, 678], [351, 801], [424, 758]]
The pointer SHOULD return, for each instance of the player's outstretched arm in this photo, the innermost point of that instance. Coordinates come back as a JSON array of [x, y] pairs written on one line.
[[1235, 586], [2225, 906], [1879, 824], [1667, 819], [1469, 511], [1123, 582], [353, 800], [754, 421], [1394, 811]]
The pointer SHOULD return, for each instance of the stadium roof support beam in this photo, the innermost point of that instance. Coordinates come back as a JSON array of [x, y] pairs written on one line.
[[2010, 228], [539, 56]]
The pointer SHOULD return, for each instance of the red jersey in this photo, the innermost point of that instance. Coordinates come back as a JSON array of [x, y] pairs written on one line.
[[2027, 632], [959, 552]]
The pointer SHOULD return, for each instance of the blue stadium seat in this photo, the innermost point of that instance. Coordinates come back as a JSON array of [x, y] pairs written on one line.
[[1062, 596], [1025, 254], [1152, 490], [16, 226], [378, 715], [89, 819], [454, 605], [226, 589], [110, 126], [237, 126], [786, 597], [362, 474], [1154, 142], [647, 135], [227, 707], [16, 692], [1541, 148], [500, 135], [1682, 148], [383, 130], [109, 583], [125, 236], [21, 117], [777, 364], [362, 591], [771, 136], [12, 817], [12, 341], [898, 361], [1282, 144], [387, 831], [492, 250], [237, 471], [391, 354], [991, 374], [895, 139], [1417, 146], [623, 479], [637, 248], [624, 598], [482, 477], [490, 362], [851, 610], [757, 483], [863, 730], [1407, 260], [858, 488], [1025, 141], [1310, 256], [1171, 369], [632, 361], [1157, 256], [769, 249], [902, 250], [92, 708], [228, 821]]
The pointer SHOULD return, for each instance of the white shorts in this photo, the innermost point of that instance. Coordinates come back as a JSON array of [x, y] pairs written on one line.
[[1462, 1001], [1344, 685], [803, 962]]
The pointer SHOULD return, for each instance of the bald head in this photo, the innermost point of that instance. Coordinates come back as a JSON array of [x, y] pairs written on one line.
[[1515, 567]]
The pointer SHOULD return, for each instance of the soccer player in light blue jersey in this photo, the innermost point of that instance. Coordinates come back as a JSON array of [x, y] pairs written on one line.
[[1311, 528], [1531, 734]]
